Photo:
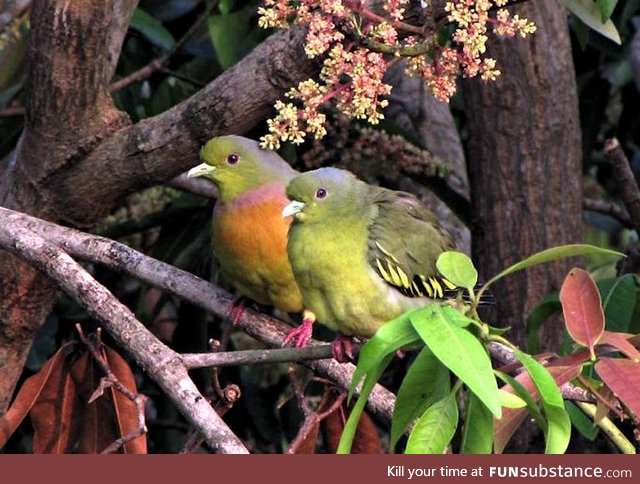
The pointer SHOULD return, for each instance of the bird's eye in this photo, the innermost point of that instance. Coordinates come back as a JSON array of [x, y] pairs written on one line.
[[232, 159], [321, 193]]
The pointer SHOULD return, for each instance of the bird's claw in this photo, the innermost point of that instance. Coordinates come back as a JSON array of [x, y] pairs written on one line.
[[301, 335], [237, 309], [342, 349]]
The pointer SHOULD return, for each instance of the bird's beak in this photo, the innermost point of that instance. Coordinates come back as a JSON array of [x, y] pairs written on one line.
[[201, 170], [292, 208]]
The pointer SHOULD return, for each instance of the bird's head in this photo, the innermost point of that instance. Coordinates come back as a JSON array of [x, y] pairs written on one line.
[[316, 194], [236, 164]]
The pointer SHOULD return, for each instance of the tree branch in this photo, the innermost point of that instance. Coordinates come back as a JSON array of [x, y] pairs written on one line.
[[505, 356], [626, 180], [159, 361], [202, 293], [160, 148], [608, 208], [254, 357], [198, 186]]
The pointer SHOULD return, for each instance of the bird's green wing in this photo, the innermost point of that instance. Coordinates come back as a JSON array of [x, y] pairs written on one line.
[[405, 240]]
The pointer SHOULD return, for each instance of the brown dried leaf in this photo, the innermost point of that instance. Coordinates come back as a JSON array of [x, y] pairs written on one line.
[[582, 308], [55, 426], [126, 411], [96, 418], [512, 418], [366, 439], [29, 394], [623, 377]]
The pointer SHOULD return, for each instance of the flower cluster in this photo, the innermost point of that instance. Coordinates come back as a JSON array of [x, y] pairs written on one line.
[[359, 43]]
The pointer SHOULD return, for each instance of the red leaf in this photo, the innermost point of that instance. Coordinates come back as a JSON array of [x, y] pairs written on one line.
[[623, 377], [582, 308], [620, 341], [28, 395], [512, 418]]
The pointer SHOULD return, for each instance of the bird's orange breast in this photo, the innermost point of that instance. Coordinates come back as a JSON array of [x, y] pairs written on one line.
[[249, 238]]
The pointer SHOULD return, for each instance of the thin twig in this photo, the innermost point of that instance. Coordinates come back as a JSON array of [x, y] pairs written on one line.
[[365, 12], [312, 418], [225, 399], [183, 77], [609, 428], [12, 111], [298, 390], [608, 208], [256, 357], [625, 179], [158, 63]]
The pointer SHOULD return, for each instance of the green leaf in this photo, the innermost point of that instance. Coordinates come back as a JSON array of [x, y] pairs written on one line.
[[391, 336], [524, 394], [558, 431], [618, 301], [477, 433], [435, 428], [589, 12], [226, 32], [225, 6], [581, 31], [606, 8], [373, 359], [581, 422], [459, 351], [554, 253], [426, 382], [457, 268], [634, 324], [351, 426], [152, 29], [510, 400], [538, 315]]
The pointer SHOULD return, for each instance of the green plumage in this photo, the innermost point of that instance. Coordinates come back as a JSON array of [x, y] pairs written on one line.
[[362, 254]]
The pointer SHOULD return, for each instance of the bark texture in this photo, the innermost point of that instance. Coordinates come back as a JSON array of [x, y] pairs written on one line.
[[524, 164]]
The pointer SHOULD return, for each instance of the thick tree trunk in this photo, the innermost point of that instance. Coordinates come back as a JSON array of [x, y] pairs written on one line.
[[72, 57], [524, 164]]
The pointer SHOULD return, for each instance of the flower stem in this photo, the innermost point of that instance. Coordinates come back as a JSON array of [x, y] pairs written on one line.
[[365, 12]]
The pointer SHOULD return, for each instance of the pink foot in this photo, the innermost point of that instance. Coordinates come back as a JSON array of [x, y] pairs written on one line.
[[237, 309], [299, 336], [342, 348]]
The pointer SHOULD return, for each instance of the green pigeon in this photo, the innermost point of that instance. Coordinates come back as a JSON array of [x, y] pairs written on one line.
[[361, 254], [248, 232]]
